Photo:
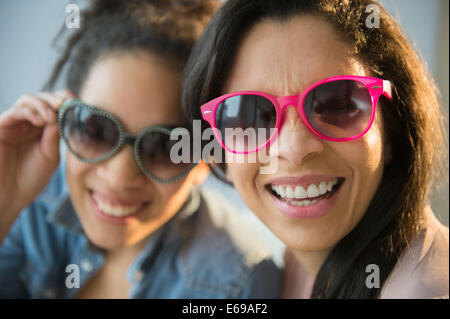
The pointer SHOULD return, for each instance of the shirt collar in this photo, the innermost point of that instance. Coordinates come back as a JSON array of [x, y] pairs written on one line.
[[63, 214]]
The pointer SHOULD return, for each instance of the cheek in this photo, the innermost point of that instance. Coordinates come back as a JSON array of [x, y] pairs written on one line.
[[76, 176], [372, 148], [365, 155], [241, 169], [172, 196], [75, 173], [166, 191], [364, 158], [369, 154], [244, 178]]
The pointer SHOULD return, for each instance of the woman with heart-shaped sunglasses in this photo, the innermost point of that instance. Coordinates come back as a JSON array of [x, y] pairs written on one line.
[[118, 218]]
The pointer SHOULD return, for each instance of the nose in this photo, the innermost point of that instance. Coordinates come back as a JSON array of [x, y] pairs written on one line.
[[295, 142], [121, 170]]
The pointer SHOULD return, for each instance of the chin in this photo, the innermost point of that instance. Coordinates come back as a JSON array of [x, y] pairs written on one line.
[[308, 241], [108, 241], [311, 246]]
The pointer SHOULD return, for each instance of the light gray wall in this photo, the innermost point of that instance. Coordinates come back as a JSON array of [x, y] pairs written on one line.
[[27, 28], [26, 58]]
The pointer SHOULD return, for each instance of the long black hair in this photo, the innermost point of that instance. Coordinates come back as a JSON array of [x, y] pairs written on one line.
[[413, 126]]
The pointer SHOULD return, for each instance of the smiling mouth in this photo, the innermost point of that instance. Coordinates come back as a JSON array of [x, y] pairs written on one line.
[[115, 210], [305, 196]]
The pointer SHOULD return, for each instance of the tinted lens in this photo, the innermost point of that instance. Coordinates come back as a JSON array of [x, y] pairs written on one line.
[[88, 134], [154, 153], [245, 121], [339, 109]]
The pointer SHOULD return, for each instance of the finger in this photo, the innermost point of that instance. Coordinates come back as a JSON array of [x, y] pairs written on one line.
[[38, 104], [33, 116], [50, 143], [67, 94], [54, 101], [51, 98], [20, 114], [64, 95], [59, 97]]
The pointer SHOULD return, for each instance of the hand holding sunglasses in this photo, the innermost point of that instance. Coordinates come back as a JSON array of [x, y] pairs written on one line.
[[339, 109], [29, 149], [93, 135]]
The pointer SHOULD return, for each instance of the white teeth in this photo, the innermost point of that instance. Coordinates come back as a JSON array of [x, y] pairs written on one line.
[[281, 191], [116, 210], [300, 192], [305, 202], [289, 192], [312, 191], [322, 188], [329, 186]]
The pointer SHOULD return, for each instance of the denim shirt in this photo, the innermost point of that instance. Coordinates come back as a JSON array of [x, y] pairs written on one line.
[[204, 251]]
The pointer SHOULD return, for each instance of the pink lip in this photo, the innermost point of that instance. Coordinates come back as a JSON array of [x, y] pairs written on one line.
[[316, 210], [303, 181], [112, 219], [116, 200]]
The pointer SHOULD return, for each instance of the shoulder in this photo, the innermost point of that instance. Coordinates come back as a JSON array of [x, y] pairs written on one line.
[[423, 269], [224, 250], [34, 247]]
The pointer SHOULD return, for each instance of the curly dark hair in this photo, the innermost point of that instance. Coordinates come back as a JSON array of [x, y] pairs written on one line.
[[168, 28]]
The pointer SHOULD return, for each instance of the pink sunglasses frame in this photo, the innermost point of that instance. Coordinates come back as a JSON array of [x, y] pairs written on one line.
[[375, 86]]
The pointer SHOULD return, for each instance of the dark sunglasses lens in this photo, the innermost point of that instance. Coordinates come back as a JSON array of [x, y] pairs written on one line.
[[339, 109], [154, 153], [89, 135], [246, 122]]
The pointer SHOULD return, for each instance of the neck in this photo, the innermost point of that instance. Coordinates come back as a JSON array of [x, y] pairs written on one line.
[[125, 253], [311, 260]]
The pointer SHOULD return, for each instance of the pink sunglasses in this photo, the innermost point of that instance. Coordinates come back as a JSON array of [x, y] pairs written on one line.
[[340, 108]]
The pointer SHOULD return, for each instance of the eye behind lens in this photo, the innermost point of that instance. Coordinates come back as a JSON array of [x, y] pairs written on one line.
[[245, 121], [89, 135], [154, 152], [339, 109]]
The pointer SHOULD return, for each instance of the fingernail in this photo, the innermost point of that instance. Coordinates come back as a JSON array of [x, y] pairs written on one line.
[[59, 100]]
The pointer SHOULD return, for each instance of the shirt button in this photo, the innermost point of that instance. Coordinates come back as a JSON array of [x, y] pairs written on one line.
[[86, 265]]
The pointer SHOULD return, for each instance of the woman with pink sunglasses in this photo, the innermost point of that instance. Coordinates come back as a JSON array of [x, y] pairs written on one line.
[[352, 120]]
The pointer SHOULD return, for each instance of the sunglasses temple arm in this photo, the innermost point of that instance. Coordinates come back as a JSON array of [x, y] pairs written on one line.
[[387, 89]]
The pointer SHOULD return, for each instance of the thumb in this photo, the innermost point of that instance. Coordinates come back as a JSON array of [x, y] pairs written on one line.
[[50, 143]]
